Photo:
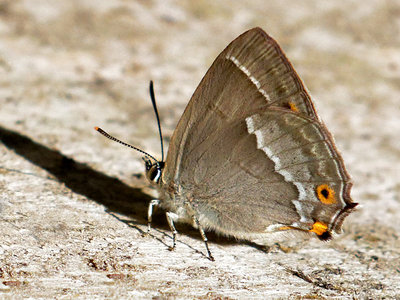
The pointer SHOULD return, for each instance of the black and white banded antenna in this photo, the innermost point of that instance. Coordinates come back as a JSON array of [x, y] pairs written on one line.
[[109, 136]]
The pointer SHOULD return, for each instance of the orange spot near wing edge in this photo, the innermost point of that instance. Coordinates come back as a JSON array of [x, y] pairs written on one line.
[[319, 228], [293, 106]]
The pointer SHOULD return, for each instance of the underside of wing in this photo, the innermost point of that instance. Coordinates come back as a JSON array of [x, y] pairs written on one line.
[[229, 163]]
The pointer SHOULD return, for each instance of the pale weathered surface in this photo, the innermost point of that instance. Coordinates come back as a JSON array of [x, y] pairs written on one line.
[[70, 228]]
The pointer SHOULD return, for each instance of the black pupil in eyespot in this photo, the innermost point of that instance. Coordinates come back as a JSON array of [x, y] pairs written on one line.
[[325, 193]]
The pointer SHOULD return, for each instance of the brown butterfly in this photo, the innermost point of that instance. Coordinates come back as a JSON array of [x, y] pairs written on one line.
[[250, 156]]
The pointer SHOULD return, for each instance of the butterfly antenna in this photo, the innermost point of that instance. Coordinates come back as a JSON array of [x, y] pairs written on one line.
[[153, 100], [123, 143]]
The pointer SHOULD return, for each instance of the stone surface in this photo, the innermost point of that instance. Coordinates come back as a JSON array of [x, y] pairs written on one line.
[[73, 209]]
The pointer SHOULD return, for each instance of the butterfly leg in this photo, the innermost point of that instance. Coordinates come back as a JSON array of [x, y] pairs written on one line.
[[170, 218], [152, 203], [204, 237]]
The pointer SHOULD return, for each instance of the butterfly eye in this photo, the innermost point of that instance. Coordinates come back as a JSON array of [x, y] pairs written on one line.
[[325, 194], [153, 174]]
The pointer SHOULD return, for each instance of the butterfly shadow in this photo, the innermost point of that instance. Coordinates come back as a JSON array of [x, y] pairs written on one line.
[[117, 197], [114, 194]]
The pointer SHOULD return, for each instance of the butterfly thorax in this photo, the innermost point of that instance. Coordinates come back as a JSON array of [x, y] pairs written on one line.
[[173, 199], [171, 195]]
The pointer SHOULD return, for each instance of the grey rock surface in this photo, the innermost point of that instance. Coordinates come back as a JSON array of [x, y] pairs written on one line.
[[72, 207]]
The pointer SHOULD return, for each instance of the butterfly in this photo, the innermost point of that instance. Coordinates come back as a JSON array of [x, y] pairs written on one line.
[[250, 156]]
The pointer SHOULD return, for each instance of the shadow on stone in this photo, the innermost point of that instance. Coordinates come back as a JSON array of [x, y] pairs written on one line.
[[115, 195]]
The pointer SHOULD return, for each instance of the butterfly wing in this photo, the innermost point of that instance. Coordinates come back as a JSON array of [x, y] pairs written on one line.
[[218, 163]]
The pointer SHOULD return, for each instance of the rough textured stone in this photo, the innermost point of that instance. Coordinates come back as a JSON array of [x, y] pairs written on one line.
[[73, 209]]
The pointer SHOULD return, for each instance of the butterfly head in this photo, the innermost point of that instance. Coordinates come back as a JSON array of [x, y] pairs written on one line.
[[153, 170]]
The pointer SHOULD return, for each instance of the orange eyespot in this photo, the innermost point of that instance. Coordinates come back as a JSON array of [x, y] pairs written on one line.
[[325, 194], [293, 106], [319, 228]]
